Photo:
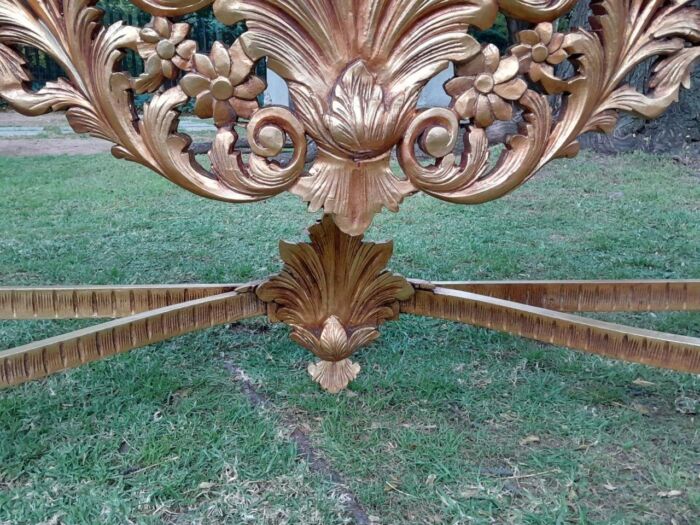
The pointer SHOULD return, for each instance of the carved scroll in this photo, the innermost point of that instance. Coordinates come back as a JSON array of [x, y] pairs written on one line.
[[355, 69]]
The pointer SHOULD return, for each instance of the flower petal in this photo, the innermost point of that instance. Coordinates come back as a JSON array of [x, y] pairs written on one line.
[[545, 30], [244, 108], [501, 109], [512, 90], [556, 43], [250, 89], [162, 25], [145, 49], [193, 84], [181, 63], [152, 65], [535, 72], [507, 69], [528, 36], [557, 57], [150, 35], [179, 32], [484, 116], [204, 105], [223, 113], [473, 67], [458, 85], [465, 106], [168, 69], [492, 57], [241, 64], [187, 49], [203, 65], [524, 54], [221, 59]]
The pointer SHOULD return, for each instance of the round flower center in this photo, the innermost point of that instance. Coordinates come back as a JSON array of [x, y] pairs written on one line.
[[484, 83], [437, 142], [540, 53], [221, 88], [272, 138], [165, 49]]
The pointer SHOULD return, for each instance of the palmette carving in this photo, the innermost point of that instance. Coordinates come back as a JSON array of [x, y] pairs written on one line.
[[334, 292], [355, 69]]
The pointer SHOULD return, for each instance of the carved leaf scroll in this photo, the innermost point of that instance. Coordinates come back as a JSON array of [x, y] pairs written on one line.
[[355, 69], [626, 33], [334, 292], [98, 98]]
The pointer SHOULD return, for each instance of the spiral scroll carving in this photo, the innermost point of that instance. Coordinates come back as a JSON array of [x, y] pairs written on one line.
[[355, 69]]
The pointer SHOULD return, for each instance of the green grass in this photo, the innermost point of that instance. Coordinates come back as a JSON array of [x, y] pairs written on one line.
[[430, 433]]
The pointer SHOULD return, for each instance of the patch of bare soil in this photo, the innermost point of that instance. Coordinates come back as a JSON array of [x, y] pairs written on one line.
[[50, 135], [31, 147], [12, 118], [317, 463]]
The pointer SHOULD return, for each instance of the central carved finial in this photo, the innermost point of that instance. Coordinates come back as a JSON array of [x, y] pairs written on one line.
[[334, 292]]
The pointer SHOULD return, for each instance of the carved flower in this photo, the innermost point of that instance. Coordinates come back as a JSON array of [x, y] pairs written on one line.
[[485, 87], [165, 51], [222, 85], [539, 50]]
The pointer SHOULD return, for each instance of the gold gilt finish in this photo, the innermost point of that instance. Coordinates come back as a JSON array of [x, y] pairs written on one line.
[[104, 340], [548, 326], [334, 293], [355, 70], [98, 302]]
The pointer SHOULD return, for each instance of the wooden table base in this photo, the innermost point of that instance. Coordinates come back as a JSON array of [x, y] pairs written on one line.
[[355, 71], [334, 292]]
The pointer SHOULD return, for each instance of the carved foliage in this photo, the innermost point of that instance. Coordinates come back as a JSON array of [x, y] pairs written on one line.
[[355, 69], [334, 292], [98, 98], [627, 32]]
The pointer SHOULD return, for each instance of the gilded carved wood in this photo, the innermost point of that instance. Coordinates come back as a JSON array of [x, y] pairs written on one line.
[[56, 354], [334, 293], [355, 70]]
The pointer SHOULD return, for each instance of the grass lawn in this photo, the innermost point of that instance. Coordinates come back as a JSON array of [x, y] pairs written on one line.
[[436, 428]]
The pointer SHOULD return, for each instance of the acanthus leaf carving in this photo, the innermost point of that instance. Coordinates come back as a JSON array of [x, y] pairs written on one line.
[[98, 100], [626, 33], [334, 292], [172, 7], [355, 69]]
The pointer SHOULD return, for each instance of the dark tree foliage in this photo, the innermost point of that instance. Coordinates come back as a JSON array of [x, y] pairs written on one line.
[[498, 35]]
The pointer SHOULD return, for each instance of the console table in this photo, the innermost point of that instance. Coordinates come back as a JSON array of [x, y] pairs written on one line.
[[355, 70]]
